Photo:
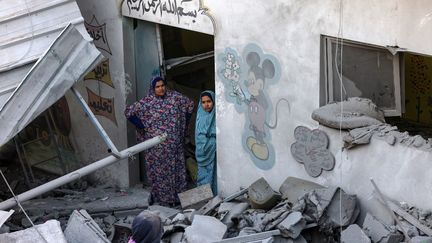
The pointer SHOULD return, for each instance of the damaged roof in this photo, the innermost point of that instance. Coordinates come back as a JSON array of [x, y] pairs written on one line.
[[66, 61], [27, 29]]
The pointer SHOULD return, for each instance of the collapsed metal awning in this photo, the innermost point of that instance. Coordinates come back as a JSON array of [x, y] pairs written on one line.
[[65, 62]]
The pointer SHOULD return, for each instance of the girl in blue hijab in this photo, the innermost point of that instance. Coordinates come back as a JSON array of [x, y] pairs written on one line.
[[205, 140]]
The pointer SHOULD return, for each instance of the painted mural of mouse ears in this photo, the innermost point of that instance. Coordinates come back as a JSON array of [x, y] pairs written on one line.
[[311, 149], [248, 78]]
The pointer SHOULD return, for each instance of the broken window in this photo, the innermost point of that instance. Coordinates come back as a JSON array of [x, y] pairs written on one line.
[[360, 70], [399, 83]]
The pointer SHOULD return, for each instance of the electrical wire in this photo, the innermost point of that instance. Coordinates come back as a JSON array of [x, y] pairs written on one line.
[[339, 41]]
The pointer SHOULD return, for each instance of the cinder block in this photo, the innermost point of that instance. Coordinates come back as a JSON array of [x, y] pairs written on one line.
[[196, 197]]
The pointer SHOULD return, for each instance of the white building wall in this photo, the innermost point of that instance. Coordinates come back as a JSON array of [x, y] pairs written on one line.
[[290, 32], [105, 23]]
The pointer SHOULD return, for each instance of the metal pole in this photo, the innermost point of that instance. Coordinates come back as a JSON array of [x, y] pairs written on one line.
[[81, 172], [94, 120]]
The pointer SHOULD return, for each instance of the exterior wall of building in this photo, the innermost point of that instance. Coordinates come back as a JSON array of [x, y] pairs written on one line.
[[283, 40], [104, 89]]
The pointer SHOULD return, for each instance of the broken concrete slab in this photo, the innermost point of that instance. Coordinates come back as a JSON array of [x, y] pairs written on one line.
[[294, 188], [343, 209], [228, 210], [205, 229], [317, 202], [262, 196], [292, 225], [378, 232], [196, 197], [210, 205], [82, 228], [50, 230], [357, 112], [354, 234]]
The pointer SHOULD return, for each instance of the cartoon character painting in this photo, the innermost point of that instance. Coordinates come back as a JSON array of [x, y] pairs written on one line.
[[251, 98]]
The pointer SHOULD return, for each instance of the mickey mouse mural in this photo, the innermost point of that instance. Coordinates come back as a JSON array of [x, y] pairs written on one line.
[[246, 85]]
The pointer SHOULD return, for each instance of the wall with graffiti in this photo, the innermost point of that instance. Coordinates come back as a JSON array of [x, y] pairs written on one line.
[[267, 56], [104, 89], [248, 77]]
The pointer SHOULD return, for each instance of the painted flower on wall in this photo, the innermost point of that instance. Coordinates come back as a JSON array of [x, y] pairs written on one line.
[[311, 149]]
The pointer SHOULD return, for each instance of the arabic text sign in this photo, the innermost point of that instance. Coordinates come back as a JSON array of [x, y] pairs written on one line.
[[186, 14]]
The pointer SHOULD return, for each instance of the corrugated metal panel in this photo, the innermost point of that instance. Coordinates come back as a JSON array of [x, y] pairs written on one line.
[[66, 61], [27, 28]]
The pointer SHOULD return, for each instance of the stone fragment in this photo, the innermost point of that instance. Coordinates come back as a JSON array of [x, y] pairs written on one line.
[[294, 188], [317, 202], [292, 225], [210, 205], [196, 197], [354, 234], [230, 210], [357, 112], [50, 230], [378, 232], [205, 229], [262, 196], [82, 228], [343, 209]]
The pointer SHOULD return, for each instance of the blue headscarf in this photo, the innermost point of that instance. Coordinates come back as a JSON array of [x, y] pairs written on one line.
[[205, 132]]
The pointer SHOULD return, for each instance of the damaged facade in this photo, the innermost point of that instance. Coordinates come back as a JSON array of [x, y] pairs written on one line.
[[271, 67]]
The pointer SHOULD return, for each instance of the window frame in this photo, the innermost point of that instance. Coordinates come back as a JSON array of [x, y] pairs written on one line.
[[327, 59]]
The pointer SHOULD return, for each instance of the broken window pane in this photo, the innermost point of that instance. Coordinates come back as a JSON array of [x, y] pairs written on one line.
[[367, 72]]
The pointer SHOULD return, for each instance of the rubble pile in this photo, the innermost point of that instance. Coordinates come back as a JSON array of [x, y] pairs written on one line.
[[301, 211]]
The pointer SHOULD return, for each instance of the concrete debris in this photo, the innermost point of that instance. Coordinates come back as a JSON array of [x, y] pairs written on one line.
[[292, 225], [82, 228], [385, 132], [379, 232], [421, 239], [294, 188], [196, 197], [210, 205], [354, 234], [230, 210], [316, 202], [205, 229], [262, 196], [357, 112], [343, 209], [50, 230], [408, 217]]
